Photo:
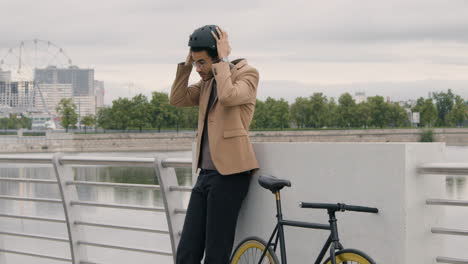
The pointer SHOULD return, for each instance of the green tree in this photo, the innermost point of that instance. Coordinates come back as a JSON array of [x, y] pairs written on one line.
[[160, 110], [427, 112], [346, 111], [140, 112], [379, 111], [300, 112], [66, 110], [458, 114], [260, 118], [444, 104], [397, 115], [190, 117], [120, 113], [364, 115], [319, 109], [104, 118], [332, 117], [88, 121]]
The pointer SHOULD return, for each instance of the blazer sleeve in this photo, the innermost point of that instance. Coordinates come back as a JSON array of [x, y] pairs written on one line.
[[242, 91], [181, 93]]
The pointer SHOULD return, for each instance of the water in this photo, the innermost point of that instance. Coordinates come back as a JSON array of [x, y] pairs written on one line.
[[118, 195]]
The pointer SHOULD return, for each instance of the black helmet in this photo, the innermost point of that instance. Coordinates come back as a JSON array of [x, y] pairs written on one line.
[[202, 38]]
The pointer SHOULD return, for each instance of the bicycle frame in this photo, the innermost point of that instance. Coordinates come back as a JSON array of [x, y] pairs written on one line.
[[333, 241]]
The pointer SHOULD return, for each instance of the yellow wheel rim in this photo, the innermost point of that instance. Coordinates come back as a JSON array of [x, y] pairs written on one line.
[[248, 245], [350, 257]]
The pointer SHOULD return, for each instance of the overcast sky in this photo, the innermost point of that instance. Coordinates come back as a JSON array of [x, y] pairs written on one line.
[[313, 45]]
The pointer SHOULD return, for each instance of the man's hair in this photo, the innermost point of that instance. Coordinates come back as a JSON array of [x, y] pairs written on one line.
[[211, 52]]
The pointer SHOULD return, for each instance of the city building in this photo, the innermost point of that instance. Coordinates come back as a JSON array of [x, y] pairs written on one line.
[[360, 97], [5, 76], [99, 94], [18, 96], [85, 105], [82, 80], [48, 95]]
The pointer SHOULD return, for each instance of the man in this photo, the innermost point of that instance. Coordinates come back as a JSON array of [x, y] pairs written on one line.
[[226, 96]]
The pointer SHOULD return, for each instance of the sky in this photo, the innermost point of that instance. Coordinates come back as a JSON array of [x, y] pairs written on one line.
[[398, 48]]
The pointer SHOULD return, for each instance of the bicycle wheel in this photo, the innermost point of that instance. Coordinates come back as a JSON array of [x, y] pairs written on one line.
[[250, 250], [351, 256]]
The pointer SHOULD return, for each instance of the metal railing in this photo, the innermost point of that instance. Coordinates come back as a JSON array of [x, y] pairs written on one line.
[[447, 169], [164, 170]]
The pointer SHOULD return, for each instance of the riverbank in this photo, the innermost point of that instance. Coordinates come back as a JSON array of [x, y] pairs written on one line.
[[122, 142]]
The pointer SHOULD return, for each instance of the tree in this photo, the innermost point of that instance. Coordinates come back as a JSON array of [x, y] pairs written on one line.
[[120, 113], [397, 115], [191, 117], [140, 112], [160, 110], [427, 112], [318, 103], [363, 116], [66, 110], [104, 118], [300, 112], [444, 104], [260, 118], [378, 111], [346, 112], [332, 117], [458, 114], [88, 121]]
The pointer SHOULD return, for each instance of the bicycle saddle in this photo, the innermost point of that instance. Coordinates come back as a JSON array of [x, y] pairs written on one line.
[[272, 183]]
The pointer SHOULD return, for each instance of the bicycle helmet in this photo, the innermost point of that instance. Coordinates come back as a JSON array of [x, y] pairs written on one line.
[[202, 38]]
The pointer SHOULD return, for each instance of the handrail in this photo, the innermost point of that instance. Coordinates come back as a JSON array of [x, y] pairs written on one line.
[[444, 168], [60, 239], [164, 170], [28, 199], [151, 230], [108, 184], [35, 255], [446, 202], [451, 260], [119, 206], [448, 231], [157, 252]]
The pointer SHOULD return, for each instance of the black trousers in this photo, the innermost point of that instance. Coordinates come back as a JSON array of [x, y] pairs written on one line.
[[210, 223]]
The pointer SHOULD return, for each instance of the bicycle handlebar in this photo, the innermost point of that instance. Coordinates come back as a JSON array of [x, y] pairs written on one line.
[[339, 207]]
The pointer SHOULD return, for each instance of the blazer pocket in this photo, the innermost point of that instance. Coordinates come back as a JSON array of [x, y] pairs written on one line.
[[235, 133]]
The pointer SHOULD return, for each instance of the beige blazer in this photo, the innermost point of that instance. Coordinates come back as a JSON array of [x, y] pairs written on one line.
[[230, 115]]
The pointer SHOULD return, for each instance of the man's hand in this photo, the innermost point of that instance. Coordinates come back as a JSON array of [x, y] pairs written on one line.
[[189, 59], [224, 49]]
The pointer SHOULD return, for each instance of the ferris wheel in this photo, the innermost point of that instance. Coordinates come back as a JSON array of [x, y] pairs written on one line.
[[22, 61]]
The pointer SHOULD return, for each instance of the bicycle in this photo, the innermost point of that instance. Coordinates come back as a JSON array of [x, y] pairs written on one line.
[[253, 250]]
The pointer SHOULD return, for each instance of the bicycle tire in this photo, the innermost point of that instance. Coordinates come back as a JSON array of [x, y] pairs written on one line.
[[250, 250], [350, 256]]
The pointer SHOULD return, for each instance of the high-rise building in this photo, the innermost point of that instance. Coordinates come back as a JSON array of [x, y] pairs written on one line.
[[5, 76], [360, 97], [82, 80], [17, 95], [99, 93], [58, 83], [49, 95]]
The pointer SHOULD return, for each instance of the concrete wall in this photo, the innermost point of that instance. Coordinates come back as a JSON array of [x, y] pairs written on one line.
[[67, 142], [380, 175]]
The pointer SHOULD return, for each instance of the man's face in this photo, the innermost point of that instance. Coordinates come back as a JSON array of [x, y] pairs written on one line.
[[203, 64]]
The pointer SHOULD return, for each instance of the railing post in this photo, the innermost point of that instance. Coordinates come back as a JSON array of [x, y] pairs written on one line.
[[69, 193], [172, 201]]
